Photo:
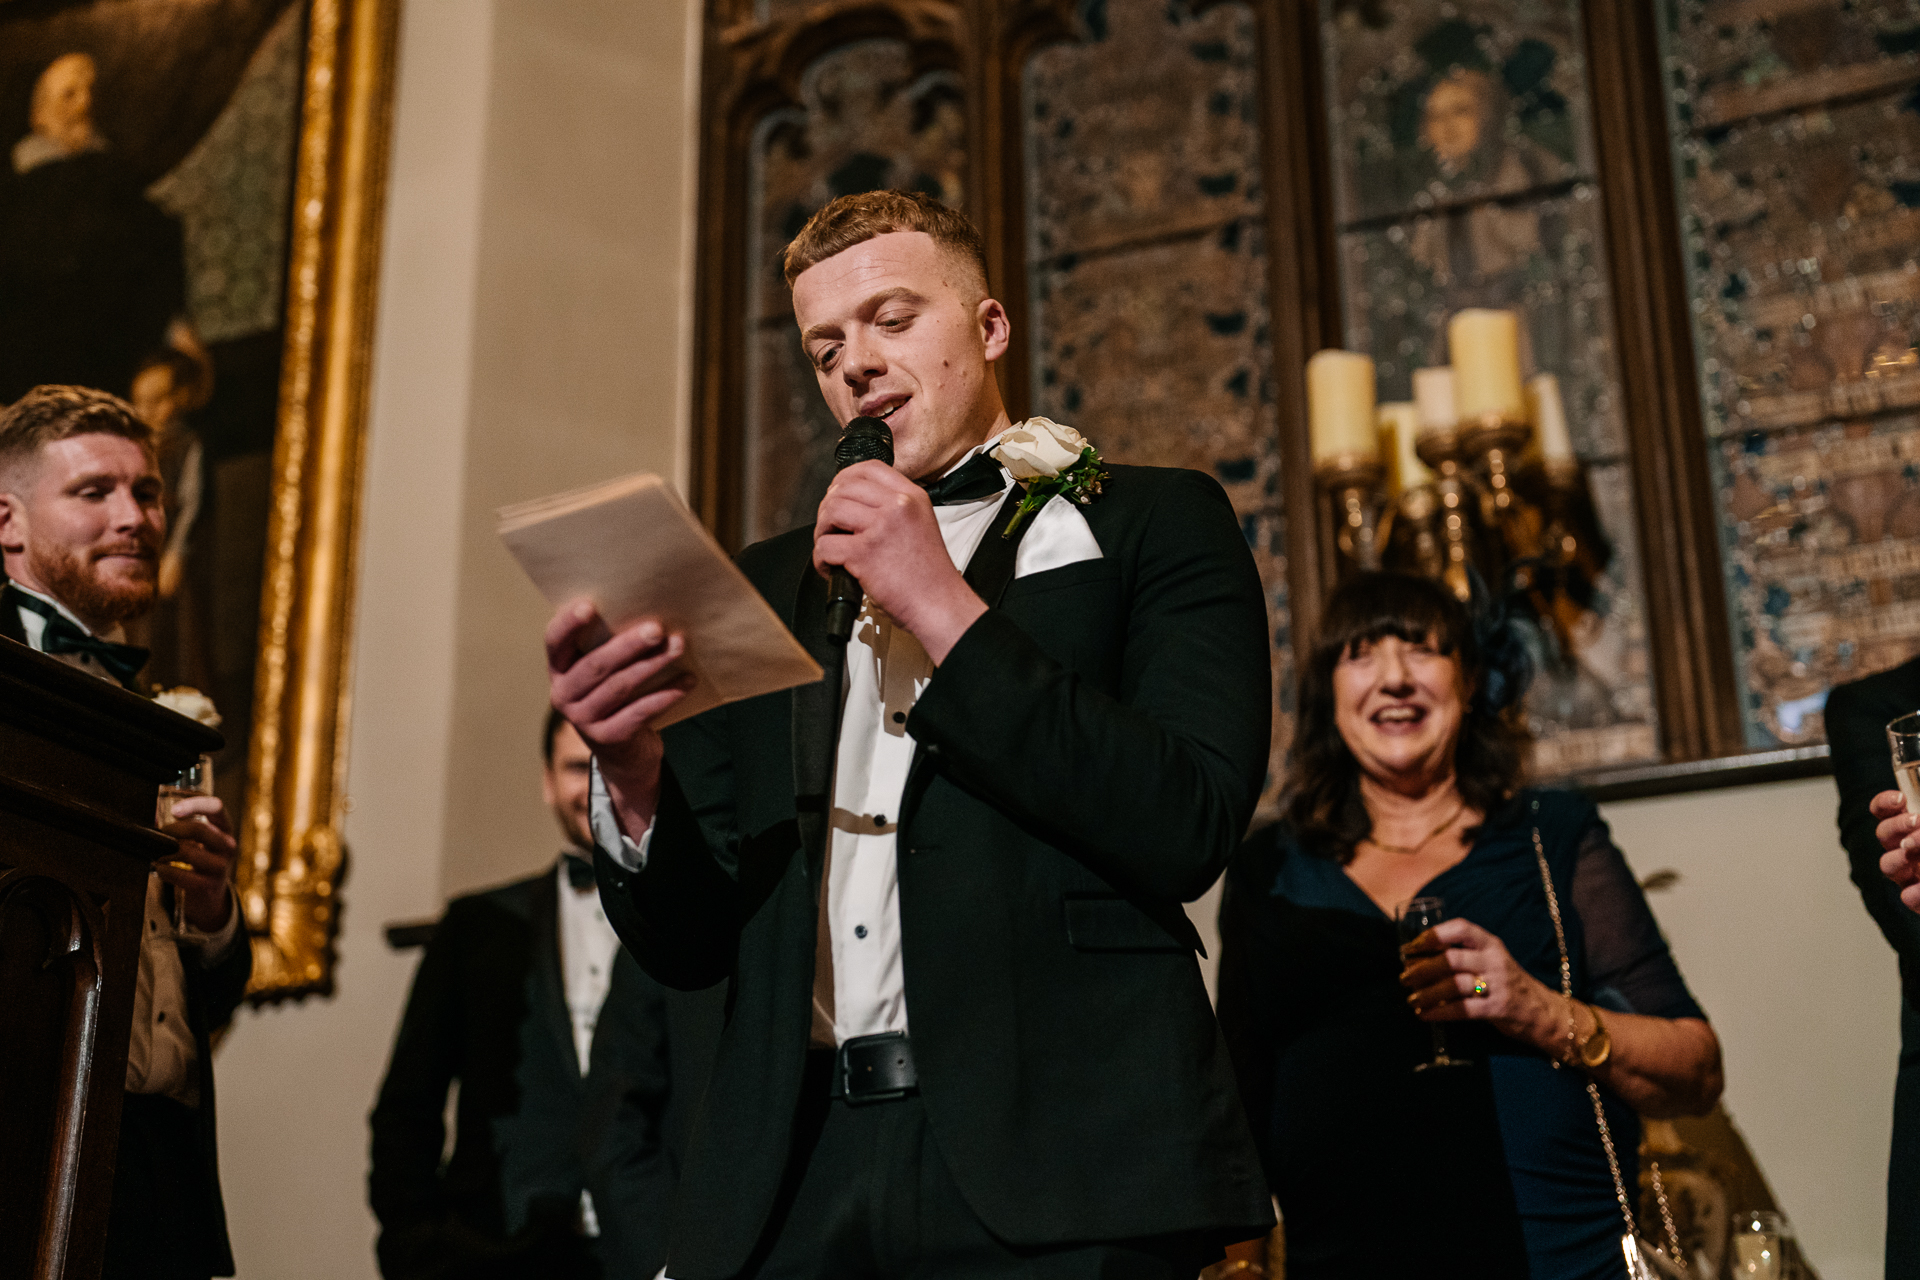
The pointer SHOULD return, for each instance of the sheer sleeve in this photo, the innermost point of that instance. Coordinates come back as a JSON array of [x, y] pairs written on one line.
[[1628, 963]]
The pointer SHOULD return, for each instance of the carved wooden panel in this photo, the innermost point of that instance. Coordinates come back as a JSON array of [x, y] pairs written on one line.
[[51, 966]]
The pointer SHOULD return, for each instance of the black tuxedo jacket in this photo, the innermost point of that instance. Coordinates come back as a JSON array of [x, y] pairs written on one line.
[[1091, 751], [488, 1008], [1857, 716], [10, 627]]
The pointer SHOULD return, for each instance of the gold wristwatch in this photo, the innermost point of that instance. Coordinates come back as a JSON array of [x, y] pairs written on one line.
[[1594, 1050]]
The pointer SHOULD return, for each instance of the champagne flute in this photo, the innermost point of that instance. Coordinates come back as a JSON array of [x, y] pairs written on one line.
[[1415, 918], [194, 780], [1758, 1239], [1903, 735]]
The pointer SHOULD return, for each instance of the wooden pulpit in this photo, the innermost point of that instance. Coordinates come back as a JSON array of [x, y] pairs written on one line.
[[81, 761]]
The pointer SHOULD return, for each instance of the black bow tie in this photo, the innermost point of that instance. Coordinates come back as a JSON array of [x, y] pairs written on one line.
[[579, 870], [61, 635], [979, 477]]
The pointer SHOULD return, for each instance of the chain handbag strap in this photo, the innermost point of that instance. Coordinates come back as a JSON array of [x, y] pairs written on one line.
[[1593, 1089]]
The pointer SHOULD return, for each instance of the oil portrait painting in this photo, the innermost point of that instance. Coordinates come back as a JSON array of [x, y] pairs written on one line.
[[143, 251], [189, 211]]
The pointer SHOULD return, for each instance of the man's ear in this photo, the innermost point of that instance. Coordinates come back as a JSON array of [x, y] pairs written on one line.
[[996, 331], [13, 523], [546, 786]]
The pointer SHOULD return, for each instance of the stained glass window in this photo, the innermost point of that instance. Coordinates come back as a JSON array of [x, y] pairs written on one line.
[[868, 121], [1797, 147], [1464, 176], [1147, 260]]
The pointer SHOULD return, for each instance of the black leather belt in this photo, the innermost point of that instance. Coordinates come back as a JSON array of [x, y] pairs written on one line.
[[875, 1069]]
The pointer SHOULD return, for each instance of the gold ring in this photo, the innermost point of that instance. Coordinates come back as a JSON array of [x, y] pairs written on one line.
[[1479, 985]]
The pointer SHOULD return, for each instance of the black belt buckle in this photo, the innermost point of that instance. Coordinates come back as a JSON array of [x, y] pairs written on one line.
[[875, 1069]]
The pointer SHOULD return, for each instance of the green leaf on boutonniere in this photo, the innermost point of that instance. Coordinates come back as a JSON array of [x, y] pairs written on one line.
[[1080, 483]]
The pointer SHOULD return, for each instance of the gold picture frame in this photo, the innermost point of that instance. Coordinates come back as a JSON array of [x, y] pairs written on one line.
[[292, 856]]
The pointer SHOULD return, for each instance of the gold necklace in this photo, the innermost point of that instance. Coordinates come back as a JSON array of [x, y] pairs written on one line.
[[1452, 818]]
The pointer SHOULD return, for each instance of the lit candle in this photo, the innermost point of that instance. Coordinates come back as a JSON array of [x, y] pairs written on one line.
[[1433, 399], [1340, 407], [1485, 347], [1549, 417], [1399, 429]]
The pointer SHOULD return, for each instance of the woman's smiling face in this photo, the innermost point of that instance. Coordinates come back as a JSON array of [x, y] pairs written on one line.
[[1399, 705]]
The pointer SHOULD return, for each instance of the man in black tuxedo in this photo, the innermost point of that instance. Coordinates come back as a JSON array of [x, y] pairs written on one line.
[[81, 526], [1046, 742], [574, 1076], [1857, 715]]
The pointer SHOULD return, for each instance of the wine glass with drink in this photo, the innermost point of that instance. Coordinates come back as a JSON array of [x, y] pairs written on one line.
[[1415, 918]]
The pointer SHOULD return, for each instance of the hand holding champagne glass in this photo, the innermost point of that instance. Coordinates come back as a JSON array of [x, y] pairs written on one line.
[[1899, 823], [202, 868], [1415, 918]]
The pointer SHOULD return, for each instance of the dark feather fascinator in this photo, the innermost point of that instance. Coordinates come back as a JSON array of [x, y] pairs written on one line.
[[1506, 661]]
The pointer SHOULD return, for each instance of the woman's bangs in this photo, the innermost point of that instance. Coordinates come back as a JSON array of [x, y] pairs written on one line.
[[1372, 606]]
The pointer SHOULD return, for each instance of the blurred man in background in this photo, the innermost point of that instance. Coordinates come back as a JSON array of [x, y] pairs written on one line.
[[574, 1077]]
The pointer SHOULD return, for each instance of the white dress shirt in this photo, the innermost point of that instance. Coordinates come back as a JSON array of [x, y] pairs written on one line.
[[160, 1055], [886, 670], [587, 948]]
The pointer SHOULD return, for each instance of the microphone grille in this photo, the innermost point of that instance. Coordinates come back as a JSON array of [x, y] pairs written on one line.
[[864, 440]]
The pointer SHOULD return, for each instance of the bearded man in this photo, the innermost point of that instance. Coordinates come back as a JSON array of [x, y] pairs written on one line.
[[81, 526], [966, 1030]]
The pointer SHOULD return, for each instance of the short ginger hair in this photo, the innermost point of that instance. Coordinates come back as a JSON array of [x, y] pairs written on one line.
[[850, 220], [51, 413]]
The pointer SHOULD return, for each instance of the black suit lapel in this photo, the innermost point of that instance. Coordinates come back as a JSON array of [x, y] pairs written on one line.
[[548, 987], [989, 570], [816, 719]]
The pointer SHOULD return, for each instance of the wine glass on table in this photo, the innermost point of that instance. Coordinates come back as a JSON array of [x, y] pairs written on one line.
[[1415, 918]]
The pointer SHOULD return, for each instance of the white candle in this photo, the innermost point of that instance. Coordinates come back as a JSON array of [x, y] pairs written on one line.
[[1485, 349], [1549, 418], [1433, 398], [1399, 430], [1340, 407]]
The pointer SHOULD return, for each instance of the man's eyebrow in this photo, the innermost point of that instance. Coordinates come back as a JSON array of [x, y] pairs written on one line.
[[868, 306]]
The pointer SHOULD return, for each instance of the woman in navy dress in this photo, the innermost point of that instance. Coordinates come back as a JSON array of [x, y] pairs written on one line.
[[1405, 785]]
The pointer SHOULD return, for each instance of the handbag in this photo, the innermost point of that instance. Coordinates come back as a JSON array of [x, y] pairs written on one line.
[[1645, 1260]]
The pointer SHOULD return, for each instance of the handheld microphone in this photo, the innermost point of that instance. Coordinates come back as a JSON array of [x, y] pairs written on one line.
[[864, 440]]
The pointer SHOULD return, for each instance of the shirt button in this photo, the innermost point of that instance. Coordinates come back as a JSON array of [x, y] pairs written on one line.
[[859, 931], [899, 717], [162, 1017]]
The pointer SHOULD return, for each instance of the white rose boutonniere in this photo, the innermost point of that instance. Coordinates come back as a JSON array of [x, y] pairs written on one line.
[[1049, 459], [191, 703]]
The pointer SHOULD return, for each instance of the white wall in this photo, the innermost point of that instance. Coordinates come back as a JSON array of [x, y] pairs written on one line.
[[531, 335], [1804, 992]]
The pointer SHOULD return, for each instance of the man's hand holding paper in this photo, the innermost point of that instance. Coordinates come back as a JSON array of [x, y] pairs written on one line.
[[603, 691]]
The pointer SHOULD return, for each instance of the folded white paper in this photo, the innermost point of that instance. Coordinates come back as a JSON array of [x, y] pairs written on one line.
[[632, 547]]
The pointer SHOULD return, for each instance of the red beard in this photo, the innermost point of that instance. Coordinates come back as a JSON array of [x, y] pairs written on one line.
[[76, 579]]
